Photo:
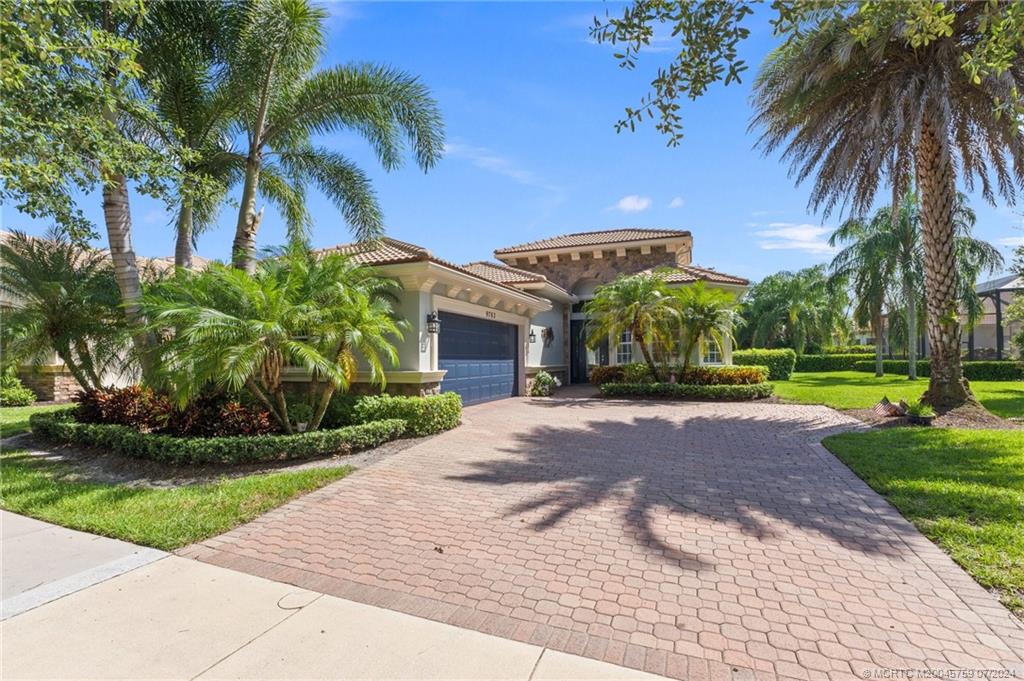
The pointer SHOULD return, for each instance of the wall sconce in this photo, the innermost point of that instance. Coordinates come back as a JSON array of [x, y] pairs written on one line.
[[533, 336], [433, 323]]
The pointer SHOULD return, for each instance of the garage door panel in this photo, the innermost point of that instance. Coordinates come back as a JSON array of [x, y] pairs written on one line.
[[479, 356]]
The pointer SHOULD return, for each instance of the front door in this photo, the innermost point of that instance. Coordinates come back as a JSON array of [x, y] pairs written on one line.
[[579, 355]]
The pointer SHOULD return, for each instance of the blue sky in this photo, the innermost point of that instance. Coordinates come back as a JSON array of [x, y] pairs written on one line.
[[530, 104]]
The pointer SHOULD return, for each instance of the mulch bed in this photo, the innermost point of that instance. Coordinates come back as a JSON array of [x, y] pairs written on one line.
[[967, 416]]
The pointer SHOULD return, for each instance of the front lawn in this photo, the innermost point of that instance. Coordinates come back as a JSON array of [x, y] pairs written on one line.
[[964, 489], [161, 518], [860, 390], [14, 420]]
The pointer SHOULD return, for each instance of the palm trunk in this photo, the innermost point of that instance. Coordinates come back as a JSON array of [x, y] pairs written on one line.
[[908, 293], [243, 249], [646, 352], [118, 220], [935, 176], [183, 245], [876, 322]]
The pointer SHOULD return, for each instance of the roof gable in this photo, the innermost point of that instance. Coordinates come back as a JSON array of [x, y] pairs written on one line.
[[599, 238]]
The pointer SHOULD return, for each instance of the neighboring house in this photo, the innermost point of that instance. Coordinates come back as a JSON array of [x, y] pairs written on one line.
[[989, 339], [484, 329]]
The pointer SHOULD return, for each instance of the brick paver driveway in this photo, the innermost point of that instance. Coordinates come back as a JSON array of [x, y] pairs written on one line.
[[693, 540]]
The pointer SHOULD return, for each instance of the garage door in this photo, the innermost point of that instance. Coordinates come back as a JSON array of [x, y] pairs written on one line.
[[479, 356]]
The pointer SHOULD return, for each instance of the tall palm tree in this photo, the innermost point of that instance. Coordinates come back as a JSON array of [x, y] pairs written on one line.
[[285, 103], [705, 315], [857, 111], [868, 269], [799, 307], [62, 298], [640, 304]]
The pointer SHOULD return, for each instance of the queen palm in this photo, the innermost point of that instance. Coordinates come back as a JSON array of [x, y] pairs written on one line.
[[285, 102], [857, 110], [640, 304]]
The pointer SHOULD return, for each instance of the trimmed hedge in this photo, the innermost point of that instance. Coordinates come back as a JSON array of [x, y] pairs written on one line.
[[847, 349], [723, 375], [806, 363], [980, 370], [780, 362], [422, 415], [607, 374], [61, 426], [684, 391]]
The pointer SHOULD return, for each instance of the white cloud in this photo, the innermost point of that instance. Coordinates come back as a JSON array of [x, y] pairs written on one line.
[[339, 13], [155, 216], [677, 202], [632, 204], [1011, 241], [491, 161], [796, 237]]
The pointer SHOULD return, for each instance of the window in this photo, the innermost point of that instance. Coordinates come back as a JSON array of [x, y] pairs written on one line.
[[712, 353], [624, 350]]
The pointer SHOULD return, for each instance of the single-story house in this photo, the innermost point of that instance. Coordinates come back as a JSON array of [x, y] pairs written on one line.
[[484, 329]]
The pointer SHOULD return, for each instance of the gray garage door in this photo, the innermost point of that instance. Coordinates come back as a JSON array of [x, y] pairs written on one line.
[[479, 356]]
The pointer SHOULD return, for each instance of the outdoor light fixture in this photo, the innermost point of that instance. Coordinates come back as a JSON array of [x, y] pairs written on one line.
[[433, 323], [533, 336]]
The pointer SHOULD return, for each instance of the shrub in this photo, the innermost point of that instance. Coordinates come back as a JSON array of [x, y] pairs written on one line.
[[920, 409], [217, 416], [133, 406], [847, 349], [636, 373], [805, 363], [13, 393], [602, 375], [61, 426], [341, 411], [684, 391], [979, 370], [780, 362], [543, 384], [724, 375], [422, 415]]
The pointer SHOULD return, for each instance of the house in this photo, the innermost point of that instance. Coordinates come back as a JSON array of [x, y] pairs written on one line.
[[484, 329], [989, 337]]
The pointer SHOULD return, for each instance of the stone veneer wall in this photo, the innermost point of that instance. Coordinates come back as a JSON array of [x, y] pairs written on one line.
[[568, 272], [408, 389], [50, 385]]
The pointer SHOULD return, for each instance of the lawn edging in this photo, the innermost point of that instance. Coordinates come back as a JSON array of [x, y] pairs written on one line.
[[61, 426], [686, 391]]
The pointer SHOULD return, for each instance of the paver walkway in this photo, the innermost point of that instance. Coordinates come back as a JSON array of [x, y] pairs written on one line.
[[691, 540]]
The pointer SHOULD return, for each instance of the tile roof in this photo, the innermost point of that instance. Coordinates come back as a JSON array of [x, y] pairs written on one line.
[[687, 274], [503, 273], [610, 236]]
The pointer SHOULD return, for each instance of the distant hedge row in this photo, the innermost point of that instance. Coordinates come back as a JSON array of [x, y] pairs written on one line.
[[980, 370], [780, 362]]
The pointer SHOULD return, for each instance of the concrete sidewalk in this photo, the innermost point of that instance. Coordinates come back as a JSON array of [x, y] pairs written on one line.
[[175, 618]]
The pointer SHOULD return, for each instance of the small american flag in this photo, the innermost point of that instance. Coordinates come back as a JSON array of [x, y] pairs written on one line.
[[887, 408]]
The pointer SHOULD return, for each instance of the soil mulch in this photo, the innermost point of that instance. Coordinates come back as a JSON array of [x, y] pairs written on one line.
[[95, 465], [967, 416]]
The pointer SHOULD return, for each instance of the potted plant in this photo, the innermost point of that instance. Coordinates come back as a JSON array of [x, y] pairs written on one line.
[[301, 413], [920, 414]]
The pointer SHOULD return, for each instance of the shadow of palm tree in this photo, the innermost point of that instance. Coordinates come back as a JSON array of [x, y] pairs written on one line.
[[743, 474]]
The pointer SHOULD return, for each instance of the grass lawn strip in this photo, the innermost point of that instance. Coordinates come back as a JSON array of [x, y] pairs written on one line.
[[14, 420], [161, 518], [964, 489], [859, 390]]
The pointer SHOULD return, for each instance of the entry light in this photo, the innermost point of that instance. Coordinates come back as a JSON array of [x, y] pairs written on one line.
[[533, 336], [433, 323]]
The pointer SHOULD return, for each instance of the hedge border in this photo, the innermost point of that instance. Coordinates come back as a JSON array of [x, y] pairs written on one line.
[[61, 426], [812, 363], [685, 391], [780, 361], [424, 415], [974, 370]]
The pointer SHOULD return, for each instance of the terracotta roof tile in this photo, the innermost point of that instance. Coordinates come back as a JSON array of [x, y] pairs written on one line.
[[503, 274], [599, 238], [690, 273]]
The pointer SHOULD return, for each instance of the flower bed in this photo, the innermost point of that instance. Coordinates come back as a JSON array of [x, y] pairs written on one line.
[[61, 426], [686, 391]]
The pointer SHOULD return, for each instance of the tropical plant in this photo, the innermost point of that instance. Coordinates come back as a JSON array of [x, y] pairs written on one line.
[[62, 299], [242, 332], [705, 316], [853, 110], [285, 103], [641, 304], [793, 309]]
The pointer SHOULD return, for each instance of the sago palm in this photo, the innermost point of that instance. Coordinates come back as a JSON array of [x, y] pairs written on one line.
[[705, 315], [62, 297], [641, 304], [855, 114], [285, 103]]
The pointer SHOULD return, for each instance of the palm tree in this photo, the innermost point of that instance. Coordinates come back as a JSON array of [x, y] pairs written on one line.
[[640, 304], [856, 110], [868, 269], [285, 103], [62, 298], [704, 315], [241, 331], [797, 307]]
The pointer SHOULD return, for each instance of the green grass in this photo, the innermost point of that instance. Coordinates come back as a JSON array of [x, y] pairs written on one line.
[[859, 389], [14, 420], [964, 489], [161, 518]]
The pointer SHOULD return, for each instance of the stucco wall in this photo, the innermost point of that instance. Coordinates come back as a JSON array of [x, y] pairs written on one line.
[[553, 353]]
